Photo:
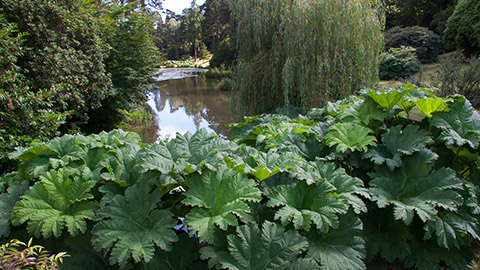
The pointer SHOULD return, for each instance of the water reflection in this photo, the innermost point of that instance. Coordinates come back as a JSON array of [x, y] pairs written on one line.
[[189, 104]]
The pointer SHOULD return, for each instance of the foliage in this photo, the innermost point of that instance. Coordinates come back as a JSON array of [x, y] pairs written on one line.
[[218, 73], [430, 14], [191, 25], [218, 32], [131, 61], [181, 35], [327, 50], [132, 227], [271, 248], [65, 55], [170, 36], [463, 27], [26, 112], [60, 60], [55, 202], [214, 208], [225, 54], [474, 265], [178, 64], [385, 179], [30, 257], [454, 77], [398, 63], [426, 43]]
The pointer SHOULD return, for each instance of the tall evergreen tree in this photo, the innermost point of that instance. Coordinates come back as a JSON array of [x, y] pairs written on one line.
[[192, 27]]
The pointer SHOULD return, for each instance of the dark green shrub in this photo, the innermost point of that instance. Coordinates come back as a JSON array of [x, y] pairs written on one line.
[[398, 63], [463, 27], [455, 77], [65, 56], [25, 115], [423, 40]]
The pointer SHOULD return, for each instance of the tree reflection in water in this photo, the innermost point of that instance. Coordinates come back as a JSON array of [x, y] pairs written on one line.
[[188, 104]]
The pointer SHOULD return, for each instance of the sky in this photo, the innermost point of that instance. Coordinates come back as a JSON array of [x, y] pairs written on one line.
[[179, 5]]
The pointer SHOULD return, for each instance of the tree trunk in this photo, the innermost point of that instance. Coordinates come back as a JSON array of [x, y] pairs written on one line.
[[195, 49]]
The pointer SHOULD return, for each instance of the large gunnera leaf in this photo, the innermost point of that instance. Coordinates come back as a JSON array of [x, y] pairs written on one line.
[[451, 228], [460, 126], [412, 192], [363, 111], [7, 201], [398, 142], [342, 248], [261, 165], [122, 166], [57, 201], [348, 136], [431, 105], [59, 152], [387, 98], [304, 204], [273, 248], [218, 198], [132, 226], [348, 189], [193, 152]]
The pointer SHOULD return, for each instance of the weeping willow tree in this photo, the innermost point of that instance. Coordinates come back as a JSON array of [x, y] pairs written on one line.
[[303, 53]]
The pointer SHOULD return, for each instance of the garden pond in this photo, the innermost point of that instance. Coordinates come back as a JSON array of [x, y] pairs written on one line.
[[188, 101]]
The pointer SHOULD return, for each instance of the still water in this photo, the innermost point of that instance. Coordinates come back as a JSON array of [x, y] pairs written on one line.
[[187, 101]]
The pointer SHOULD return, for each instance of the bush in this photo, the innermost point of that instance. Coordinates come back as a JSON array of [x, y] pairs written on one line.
[[65, 56], [398, 63], [25, 115], [218, 73], [423, 40], [463, 27], [455, 77]]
